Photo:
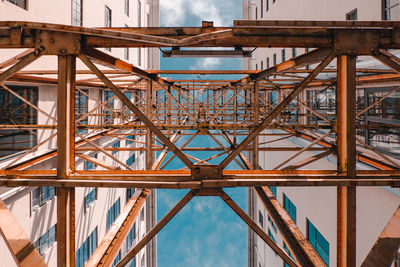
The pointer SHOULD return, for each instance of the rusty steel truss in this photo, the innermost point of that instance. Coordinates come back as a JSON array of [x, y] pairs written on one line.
[[233, 113]]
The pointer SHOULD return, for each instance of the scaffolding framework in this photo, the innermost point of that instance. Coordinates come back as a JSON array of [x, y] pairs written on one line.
[[233, 113]]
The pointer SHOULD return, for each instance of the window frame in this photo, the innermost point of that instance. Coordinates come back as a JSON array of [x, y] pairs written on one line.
[[289, 206], [126, 7], [385, 9], [14, 2], [48, 239], [107, 21], [42, 200], [90, 198], [315, 242], [80, 13]]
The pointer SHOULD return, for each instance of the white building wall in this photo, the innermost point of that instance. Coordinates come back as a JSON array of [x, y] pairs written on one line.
[[38, 222], [375, 206], [302, 10]]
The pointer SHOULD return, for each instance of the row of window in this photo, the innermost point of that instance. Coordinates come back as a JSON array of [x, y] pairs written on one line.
[[275, 59], [262, 7], [86, 250], [90, 244], [390, 10], [46, 240], [77, 11], [317, 240]]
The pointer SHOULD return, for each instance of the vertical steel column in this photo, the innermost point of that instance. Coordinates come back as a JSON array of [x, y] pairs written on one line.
[[66, 160], [346, 151], [256, 121], [149, 141], [151, 200]]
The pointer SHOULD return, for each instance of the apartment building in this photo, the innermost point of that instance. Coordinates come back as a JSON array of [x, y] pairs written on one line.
[[96, 208], [314, 209]]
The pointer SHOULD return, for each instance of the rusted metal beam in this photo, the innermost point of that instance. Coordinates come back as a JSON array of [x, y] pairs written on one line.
[[186, 182], [346, 152], [66, 160], [22, 63], [302, 250], [112, 242], [389, 60], [136, 111], [96, 161], [387, 246], [253, 225], [18, 242], [276, 111], [132, 252]]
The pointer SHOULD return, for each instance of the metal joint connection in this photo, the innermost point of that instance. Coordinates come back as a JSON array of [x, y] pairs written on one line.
[[58, 43], [349, 42], [204, 172]]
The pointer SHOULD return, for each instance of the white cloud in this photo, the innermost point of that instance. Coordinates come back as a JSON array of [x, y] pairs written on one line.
[[180, 12], [207, 10], [172, 12], [207, 63]]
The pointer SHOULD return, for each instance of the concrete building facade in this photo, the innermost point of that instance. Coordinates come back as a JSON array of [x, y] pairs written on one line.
[[314, 209], [96, 208]]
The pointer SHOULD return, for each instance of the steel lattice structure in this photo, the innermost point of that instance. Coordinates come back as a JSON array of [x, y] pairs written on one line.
[[234, 113]]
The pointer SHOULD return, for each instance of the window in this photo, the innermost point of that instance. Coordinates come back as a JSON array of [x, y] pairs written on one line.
[[262, 8], [271, 235], [352, 15], [294, 52], [272, 223], [262, 65], [261, 219], [288, 252], [15, 111], [267, 62], [90, 197], [256, 13], [20, 3], [117, 259], [41, 195], [267, 5], [127, 7], [113, 213], [129, 193], [46, 240], [283, 55], [126, 49], [256, 66], [289, 207], [86, 250], [139, 56], [131, 137], [139, 15], [81, 108], [90, 165], [116, 145], [274, 59], [390, 9], [273, 189], [107, 20], [308, 66], [130, 160], [132, 263], [318, 241], [77, 12], [108, 107], [142, 215], [131, 237]]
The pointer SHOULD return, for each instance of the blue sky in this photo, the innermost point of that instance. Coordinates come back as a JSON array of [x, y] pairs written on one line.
[[206, 232]]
